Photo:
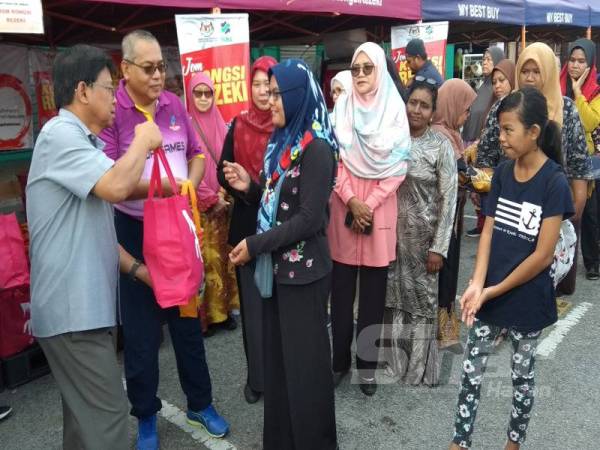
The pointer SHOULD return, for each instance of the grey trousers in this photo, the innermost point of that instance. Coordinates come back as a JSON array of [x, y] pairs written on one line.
[[95, 408]]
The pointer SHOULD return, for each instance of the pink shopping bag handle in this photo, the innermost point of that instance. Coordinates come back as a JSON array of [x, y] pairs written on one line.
[[155, 182]]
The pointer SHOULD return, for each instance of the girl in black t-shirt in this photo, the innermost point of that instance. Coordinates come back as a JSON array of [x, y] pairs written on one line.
[[511, 291]]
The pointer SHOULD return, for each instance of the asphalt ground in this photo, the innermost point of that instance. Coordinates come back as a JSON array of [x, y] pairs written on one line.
[[566, 414]]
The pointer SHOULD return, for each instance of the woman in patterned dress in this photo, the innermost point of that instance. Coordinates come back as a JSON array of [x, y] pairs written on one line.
[[220, 295], [426, 202]]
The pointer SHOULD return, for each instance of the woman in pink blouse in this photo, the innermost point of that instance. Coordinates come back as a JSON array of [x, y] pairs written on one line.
[[374, 137]]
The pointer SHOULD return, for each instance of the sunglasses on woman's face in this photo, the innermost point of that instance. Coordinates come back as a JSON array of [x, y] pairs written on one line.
[[206, 93], [367, 69]]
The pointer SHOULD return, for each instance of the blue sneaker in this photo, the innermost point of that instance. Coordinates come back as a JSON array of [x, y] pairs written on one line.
[[210, 419], [147, 438]]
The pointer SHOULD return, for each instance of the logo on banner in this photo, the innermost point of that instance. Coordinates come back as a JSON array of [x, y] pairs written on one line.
[[206, 28], [225, 28]]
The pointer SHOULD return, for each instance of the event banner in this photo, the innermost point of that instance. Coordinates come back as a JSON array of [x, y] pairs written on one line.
[[21, 16], [40, 62], [15, 103], [218, 45], [433, 34]]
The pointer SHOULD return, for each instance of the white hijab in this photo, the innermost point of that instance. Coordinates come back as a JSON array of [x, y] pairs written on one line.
[[372, 128]]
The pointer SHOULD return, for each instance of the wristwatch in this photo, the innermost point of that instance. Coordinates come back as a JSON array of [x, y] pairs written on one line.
[[134, 268]]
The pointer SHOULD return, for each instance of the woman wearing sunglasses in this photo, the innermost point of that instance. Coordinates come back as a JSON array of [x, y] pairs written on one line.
[[220, 296], [293, 265], [374, 137], [453, 108]]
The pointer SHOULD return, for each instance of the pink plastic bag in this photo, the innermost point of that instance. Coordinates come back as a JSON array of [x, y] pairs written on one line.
[[15, 329], [171, 246], [14, 270]]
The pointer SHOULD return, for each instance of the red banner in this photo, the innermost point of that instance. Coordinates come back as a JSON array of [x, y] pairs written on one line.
[[227, 67], [218, 45], [44, 92], [434, 36]]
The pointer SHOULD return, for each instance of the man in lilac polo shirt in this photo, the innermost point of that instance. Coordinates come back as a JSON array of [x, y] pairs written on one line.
[[141, 97]]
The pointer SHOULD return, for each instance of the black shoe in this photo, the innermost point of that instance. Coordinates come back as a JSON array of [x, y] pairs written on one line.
[[338, 377], [5, 412], [368, 387], [230, 324], [592, 273], [210, 331], [475, 232], [250, 394]]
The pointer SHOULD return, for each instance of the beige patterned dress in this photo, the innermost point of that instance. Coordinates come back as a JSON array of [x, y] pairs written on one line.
[[426, 202]]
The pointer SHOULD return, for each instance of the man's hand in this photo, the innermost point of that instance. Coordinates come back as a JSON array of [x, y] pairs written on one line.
[[150, 133]]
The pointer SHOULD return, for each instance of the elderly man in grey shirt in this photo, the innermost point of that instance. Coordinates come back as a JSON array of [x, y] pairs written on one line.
[[74, 251]]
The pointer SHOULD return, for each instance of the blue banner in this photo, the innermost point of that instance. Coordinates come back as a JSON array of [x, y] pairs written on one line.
[[557, 12], [594, 12], [510, 12]]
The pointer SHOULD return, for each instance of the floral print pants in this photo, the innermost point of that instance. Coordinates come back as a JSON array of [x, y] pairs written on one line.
[[480, 344]]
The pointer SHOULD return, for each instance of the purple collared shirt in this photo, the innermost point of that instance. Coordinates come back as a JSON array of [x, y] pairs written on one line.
[[179, 139]]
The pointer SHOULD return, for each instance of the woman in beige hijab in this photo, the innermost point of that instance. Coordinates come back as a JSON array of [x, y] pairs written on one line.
[[537, 67]]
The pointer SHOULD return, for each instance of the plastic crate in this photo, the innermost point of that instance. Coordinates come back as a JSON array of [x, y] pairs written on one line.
[[24, 366]]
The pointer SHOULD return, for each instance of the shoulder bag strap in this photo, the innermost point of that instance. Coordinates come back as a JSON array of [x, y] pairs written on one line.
[[211, 151]]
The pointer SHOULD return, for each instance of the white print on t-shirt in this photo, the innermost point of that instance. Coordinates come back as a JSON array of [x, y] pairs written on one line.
[[525, 217]]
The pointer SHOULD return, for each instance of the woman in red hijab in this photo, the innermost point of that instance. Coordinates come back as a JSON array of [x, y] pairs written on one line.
[[220, 296], [245, 144]]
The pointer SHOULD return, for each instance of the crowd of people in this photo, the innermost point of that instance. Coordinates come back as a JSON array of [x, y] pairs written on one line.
[[305, 213]]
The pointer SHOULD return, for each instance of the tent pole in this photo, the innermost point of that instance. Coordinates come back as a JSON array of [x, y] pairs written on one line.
[[588, 33], [523, 39]]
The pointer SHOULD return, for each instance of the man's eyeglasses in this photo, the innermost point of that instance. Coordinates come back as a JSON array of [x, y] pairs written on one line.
[[110, 88], [149, 69], [367, 69], [203, 93], [422, 79]]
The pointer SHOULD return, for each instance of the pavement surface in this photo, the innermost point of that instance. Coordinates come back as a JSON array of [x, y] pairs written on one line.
[[565, 415]]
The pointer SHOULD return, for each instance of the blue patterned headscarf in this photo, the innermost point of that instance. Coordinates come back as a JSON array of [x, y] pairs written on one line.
[[305, 111], [306, 118]]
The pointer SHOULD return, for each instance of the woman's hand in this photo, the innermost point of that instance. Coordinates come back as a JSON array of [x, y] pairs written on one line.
[[577, 84], [363, 215], [435, 262], [236, 176], [356, 227], [240, 255], [473, 292], [472, 305]]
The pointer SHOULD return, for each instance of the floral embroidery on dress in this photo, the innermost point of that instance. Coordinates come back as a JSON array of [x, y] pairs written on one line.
[[275, 268], [292, 274], [309, 263], [295, 172], [294, 190], [284, 206], [296, 254]]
